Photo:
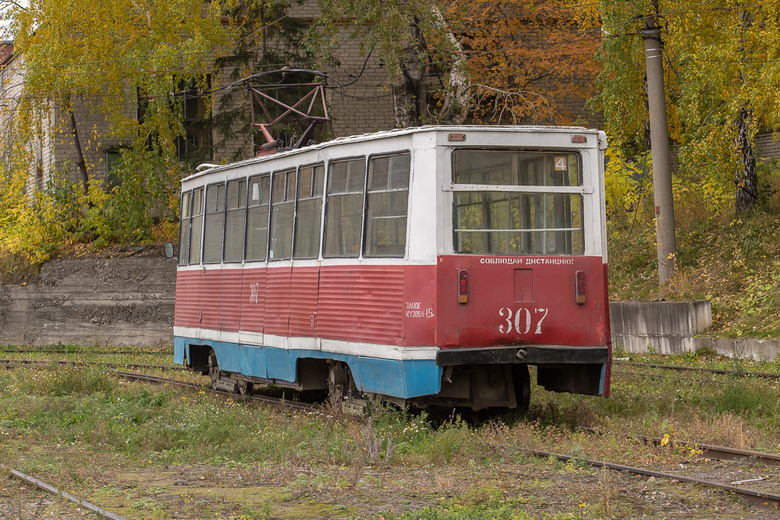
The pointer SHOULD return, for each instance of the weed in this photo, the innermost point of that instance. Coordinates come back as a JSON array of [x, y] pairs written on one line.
[[732, 262]]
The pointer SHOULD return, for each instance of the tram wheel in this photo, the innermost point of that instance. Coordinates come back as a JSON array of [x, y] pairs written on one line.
[[244, 387], [339, 381], [213, 370]]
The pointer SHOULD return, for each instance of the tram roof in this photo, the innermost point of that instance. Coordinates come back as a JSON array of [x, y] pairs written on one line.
[[205, 169]]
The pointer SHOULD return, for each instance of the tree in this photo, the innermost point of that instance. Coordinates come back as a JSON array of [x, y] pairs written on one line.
[[721, 83], [493, 61], [415, 43], [528, 59], [107, 71]]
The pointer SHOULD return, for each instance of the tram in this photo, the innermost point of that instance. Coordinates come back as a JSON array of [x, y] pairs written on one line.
[[425, 266]]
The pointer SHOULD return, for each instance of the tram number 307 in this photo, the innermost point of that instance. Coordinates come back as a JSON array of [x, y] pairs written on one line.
[[522, 320]]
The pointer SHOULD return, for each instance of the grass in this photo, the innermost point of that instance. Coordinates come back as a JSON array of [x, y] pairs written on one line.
[[64, 425], [728, 259]]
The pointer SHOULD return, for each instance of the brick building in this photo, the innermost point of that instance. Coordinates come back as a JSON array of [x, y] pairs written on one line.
[[359, 106]]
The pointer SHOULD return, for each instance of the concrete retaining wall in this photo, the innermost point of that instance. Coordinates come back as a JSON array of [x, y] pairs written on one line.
[[667, 327], [677, 327], [120, 301]]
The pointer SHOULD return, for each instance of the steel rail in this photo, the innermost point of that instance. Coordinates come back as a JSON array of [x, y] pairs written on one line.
[[719, 452], [13, 363], [67, 351], [285, 403], [712, 451], [720, 371], [54, 491], [760, 498]]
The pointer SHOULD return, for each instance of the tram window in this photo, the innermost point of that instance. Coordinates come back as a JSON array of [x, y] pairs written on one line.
[[387, 205], [196, 224], [184, 228], [511, 222], [344, 213], [282, 211], [257, 217], [515, 223], [515, 168], [235, 220], [215, 223], [309, 211]]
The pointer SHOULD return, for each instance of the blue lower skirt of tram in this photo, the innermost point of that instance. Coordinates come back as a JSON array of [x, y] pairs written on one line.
[[398, 378]]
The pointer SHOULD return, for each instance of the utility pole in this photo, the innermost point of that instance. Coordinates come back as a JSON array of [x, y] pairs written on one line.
[[659, 143]]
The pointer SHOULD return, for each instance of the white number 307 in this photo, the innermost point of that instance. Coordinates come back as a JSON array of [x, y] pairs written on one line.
[[522, 320]]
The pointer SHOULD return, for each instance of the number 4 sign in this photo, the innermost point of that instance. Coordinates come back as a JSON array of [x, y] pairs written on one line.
[[561, 164]]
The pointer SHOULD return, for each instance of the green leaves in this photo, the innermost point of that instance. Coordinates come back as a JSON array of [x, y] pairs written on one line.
[[719, 66]]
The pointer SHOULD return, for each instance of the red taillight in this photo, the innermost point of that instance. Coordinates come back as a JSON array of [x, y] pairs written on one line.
[[580, 287], [463, 286]]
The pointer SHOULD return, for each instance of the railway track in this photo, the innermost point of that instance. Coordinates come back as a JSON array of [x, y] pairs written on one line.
[[102, 352], [759, 490], [757, 497], [701, 370], [46, 364], [38, 483], [253, 397]]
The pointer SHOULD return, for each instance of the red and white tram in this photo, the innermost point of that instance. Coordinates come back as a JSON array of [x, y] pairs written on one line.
[[426, 265]]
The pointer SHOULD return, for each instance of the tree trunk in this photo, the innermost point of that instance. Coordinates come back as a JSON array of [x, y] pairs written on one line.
[[457, 95], [80, 162], [746, 177], [409, 94]]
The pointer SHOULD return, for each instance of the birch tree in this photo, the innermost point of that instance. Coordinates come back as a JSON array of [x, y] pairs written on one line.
[[113, 59], [722, 76]]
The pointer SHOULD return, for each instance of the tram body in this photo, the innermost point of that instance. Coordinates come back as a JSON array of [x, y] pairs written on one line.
[[429, 266]]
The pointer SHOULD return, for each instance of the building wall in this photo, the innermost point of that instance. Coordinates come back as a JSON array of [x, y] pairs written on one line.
[[93, 129], [362, 103]]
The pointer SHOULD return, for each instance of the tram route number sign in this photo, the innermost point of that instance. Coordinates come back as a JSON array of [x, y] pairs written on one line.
[[523, 320]]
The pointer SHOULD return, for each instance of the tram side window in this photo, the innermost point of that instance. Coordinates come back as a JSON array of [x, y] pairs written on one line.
[[282, 211], [215, 223], [196, 223], [309, 211], [344, 213], [235, 220], [512, 222], [387, 205], [257, 217], [184, 228]]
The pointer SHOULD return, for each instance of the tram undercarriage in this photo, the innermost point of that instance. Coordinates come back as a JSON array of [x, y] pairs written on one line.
[[475, 387]]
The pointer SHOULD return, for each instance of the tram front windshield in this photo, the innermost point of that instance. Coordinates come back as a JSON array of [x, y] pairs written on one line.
[[516, 202]]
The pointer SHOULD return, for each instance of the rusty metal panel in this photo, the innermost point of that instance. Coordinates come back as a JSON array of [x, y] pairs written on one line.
[[186, 306], [209, 298], [420, 313], [277, 300], [252, 297], [230, 299], [303, 301], [361, 303]]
